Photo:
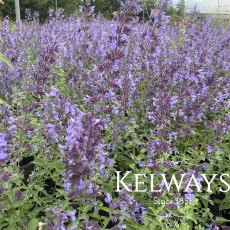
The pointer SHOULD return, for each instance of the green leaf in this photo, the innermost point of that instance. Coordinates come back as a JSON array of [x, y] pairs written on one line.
[[221, 219], [6, 60], [185, 226], [191, 217], [225, 204], [33, 224], [104, 208], [173, 43], [1, 101]]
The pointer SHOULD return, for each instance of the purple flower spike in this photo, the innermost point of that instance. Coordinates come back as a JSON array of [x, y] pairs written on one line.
[[190, 194], [53, 91], [108, 198], [3, 148]]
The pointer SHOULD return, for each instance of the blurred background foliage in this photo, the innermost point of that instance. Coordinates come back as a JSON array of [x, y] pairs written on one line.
[[106, 7]]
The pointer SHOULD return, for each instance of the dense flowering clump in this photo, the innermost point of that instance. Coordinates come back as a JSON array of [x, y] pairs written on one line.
[[4, 157], [88, 97], [61, 219], [3, 147], [128, 207], [82, 150]]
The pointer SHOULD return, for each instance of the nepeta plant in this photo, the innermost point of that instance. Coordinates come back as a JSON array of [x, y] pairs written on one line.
[[88, 97]]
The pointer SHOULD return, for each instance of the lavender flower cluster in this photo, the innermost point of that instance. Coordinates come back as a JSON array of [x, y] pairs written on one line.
[[82, 150], [92, 96]]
